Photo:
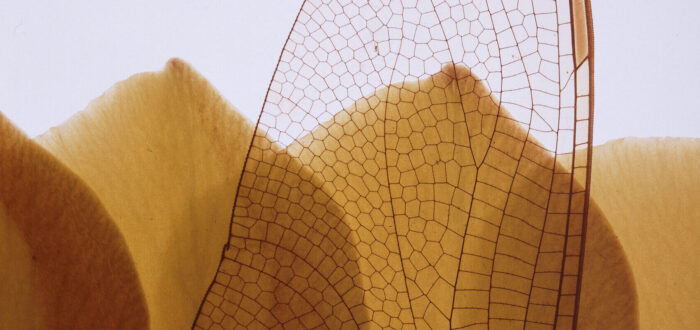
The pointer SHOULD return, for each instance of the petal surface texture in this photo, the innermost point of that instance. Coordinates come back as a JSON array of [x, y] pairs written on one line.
[[65, 264], [163, 151], [649, 189]]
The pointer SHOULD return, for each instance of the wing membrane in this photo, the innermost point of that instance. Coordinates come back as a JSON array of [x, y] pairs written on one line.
[[408, 170]]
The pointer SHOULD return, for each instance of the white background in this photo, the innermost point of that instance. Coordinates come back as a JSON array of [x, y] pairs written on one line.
[[56, 56]]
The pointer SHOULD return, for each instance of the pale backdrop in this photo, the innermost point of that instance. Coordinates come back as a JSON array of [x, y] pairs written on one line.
[[57, 56]]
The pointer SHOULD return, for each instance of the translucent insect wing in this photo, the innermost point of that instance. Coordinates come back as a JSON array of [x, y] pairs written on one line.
[[416, 163]]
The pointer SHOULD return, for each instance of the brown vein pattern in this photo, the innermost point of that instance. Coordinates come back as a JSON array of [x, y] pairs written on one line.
[[435, 202]]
